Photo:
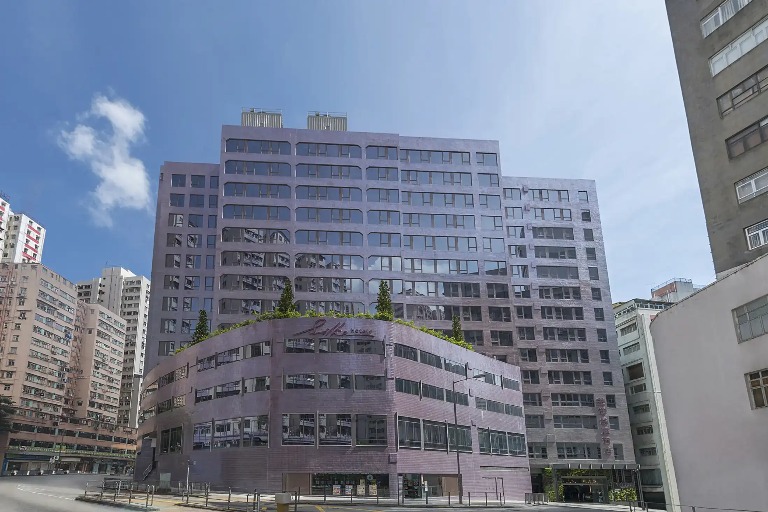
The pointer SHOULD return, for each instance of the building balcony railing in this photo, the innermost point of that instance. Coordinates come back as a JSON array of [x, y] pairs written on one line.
[[88, 453]]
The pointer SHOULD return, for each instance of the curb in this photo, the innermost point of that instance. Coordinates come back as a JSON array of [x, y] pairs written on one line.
[[114, 503]]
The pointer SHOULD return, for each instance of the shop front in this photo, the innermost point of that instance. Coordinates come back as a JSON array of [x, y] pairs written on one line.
[[350, 484]]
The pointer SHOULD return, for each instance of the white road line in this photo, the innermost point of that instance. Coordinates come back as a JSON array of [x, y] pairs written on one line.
[[44, 494]]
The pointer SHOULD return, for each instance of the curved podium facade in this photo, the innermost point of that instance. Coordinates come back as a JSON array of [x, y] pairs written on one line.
[[343, 406]]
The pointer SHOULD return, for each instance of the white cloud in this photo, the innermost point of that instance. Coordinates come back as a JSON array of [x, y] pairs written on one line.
[[123, 179]]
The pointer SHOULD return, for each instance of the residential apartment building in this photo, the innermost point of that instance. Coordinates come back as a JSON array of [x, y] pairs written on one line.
[[21, 238], [722, 60], [644, 401], [713, 372], [60, 363], [674, 290], [123, 292], [520, 260]]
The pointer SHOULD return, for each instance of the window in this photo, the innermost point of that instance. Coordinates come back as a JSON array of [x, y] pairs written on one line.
[[339, 238], [197, 181], [416, 156], [298, 429], [573, 400], [502, 338], [178, 180], [496, 268], [560, 292], [574, 421], [757, 235], [534, 421], [530, 376], [490, 159], [256, 430], [635, 371], [533, 399], [383, 239], [721, 14], [498, 290], [586, 216], [383, 195], [408, 386], [176, 220], [589, 235], [553, 233], [583, 196], [214, 182], [226, 433], [562, 355], [537, 450], [552, 213], [256, 169], [194, 220], [166, 348], [742, 93], [557, 272], [526, 333], [752, 186], [337, 172], [522, 291], [758, 388], [264, 147], [489, 180], [514, 212], [435, 436], [381, 152], [750, 137], [409, 432], [385, 217], [618, 451], [591, 253], [645, 430], [569, 377], [647, 452], [255, 384], [513, 194], [607, 379], [201, 436], [555, 252], [459, 437], [371, 429], [328, 150], [334, 381], [597, 294], [599, 314], [610, 401], [565, 334], [593, 274], [578, 451], [370, 382], [739, 47], [528, 355], [177, 200], [382, 173], [752, 319], [641, 409], [334, 429], [260, 190], [605, 356]]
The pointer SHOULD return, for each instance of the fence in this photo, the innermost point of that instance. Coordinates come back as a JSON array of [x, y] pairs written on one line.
[[676, 507], [122, 491]]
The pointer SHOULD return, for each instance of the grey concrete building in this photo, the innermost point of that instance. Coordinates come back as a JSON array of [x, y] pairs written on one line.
[[713, 372], [520, 260], [316, 403], [722, 60]]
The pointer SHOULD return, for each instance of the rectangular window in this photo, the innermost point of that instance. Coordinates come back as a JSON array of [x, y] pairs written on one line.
[[605, 356], [487, 159], [515, 194], [721, 14], [758, 388], [226, 433], [370, 430], [645, 430], [408, 432], [589, 235], [488, 180], [381, 152], [334, 429], [742, 93], [370, 382], [751, 319], [753, 185], [749, 138], [635, 371], [435, 436], [534, 421], [298, 430], [530, 376], [739, 47], [553, 233], [410, 387], [196, 201], [578, 451], [177, 200], [178, 180], [532, 399], [757, 235], [256, 430], [593, 273], [607, 379], [201, 436]]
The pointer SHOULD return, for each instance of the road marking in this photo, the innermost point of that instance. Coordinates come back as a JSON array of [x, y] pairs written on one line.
[[44, 494], [318, 507]]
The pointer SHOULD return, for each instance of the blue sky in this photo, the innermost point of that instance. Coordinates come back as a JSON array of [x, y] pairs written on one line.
[[569, 88]]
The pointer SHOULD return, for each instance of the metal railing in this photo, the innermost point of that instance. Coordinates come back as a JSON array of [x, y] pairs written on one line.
[[120, 491], [677, 507]]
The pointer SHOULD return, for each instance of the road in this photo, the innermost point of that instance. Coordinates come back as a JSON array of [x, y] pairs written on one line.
[[56, 493]]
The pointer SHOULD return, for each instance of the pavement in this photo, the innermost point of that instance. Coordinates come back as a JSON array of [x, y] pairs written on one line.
[[57, 493]]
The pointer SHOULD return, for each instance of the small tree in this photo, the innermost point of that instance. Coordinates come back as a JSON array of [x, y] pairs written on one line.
[[201, 330], [384, 309], [6, 411], [456, 332], [286, 305]]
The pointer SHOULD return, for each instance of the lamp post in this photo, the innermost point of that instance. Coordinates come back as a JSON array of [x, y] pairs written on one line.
[[456, 431]]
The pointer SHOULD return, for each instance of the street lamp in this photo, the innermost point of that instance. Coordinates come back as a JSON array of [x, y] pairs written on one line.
[[456, 430]]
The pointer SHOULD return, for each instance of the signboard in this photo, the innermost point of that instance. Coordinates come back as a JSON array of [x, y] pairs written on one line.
[[337, 490], [348, 490], [372, 490], [334, 329]]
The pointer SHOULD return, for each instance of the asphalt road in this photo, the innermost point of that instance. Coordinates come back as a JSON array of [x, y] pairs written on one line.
[[56, 493]]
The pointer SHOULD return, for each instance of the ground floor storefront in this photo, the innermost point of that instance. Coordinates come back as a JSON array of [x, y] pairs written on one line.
[[588, 482], [35, 464]]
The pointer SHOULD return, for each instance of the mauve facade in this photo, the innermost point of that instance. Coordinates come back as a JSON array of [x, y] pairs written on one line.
[[274, 466], [522, 259]]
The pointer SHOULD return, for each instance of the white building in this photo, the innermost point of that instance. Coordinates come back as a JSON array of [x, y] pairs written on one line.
[[646, 412], [674, 290], [711, 352], [21, 237], [122, 292]]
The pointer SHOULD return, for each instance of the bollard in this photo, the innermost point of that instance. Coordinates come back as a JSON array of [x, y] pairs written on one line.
[[229, 498], [377, 497], [296, 501], [130, 494], [325, 493], [486, 498], [350, 496], [257, 503], [146, 503], [426, 495], [207, 490], [469, 498], [449, 498]]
